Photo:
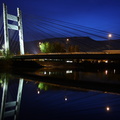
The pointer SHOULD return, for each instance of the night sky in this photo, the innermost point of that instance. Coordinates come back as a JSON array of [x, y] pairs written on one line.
[[98, 14]]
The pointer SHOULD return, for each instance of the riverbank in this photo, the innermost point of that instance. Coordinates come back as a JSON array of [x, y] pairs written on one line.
[[27, 65], [79, 66]]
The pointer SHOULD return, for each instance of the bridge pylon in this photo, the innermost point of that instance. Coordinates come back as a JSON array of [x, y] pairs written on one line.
[[17, 27]]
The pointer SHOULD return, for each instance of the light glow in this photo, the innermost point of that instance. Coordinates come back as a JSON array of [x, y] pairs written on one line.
[[38, 91], [108, 108], [114, 71], [68, 61], [66, 98], [109, 35], [45, 73], [106, 61], [50, 73], [67, 40], [106, 72], [68, 71]]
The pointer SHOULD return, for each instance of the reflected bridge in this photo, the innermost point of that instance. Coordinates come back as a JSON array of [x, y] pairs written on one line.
[[10, 108]]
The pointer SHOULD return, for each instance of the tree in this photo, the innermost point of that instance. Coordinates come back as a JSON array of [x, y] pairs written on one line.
[[7, 54], [48, 47], [44, 47], [73, 48], [55, 47]]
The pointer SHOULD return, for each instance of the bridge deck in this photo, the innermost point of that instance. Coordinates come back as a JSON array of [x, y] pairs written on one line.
[[71, 55]]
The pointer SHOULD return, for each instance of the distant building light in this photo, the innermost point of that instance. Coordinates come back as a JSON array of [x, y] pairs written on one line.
[[40, 43], [68, 71], [45, 73], [41, 59], [99, 61], [69, 61], [67, 40], [49, 73], [106, 61]]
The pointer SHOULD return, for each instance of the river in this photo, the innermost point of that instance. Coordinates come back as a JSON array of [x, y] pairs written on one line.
[[65, 94]]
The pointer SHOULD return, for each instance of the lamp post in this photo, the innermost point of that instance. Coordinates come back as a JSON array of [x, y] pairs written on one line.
[[109, 37], [67, 41]]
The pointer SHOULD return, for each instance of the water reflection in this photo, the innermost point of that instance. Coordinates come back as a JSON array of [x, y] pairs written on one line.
[[114, 71], [10, 108], [77, 96], [107, 75]]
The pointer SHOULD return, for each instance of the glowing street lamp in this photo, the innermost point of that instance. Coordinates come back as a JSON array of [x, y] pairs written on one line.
[[67, 42], [109, 37], [107, 108], [40, 43]]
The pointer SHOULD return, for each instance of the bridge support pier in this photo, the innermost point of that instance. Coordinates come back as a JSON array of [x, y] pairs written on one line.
[[6, 35], [18, 27]]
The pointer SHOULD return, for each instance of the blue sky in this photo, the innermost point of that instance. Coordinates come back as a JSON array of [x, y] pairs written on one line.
[[98, 14]]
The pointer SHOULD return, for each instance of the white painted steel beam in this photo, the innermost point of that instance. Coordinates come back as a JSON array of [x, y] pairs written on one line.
[[13, 27], [20, 31], [19, 96], [5, 21], [10, 104], [9, 113], [4, 97], [12, 17], [18, 27]]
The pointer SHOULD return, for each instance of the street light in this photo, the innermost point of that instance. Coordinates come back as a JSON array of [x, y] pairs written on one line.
[[108, 108], [67, 42], [109, 37]]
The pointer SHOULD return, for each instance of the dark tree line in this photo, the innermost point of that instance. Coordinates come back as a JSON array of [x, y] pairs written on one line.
[[54, 47]]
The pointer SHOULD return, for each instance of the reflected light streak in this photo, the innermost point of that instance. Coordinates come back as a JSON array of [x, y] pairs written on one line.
[[68, 61], [66, 98], [106, 72], [106, 61], [1, 83], [68, 71], [38, 92], [114, 71], [50, 73], [45, 73]]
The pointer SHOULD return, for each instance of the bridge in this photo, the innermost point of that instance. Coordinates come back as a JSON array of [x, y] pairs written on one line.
[[69, 31], [71, 55]]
